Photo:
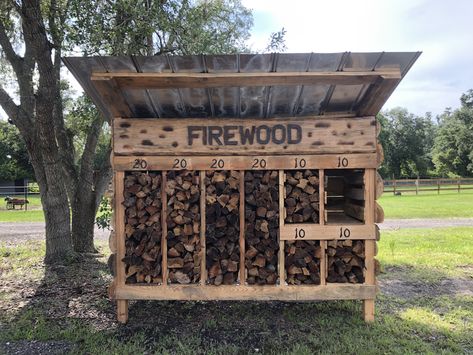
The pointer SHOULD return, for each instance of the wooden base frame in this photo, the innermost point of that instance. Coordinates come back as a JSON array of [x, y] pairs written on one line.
[[366, 231]]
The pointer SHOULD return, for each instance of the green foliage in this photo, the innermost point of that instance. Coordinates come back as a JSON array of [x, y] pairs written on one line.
[[104, 214], [14, 160], [277, 41], [149, 27], [407, 142], [453, 147], [79, 119]]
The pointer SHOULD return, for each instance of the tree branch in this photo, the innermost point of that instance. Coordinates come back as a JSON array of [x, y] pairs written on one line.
[[15, 60]]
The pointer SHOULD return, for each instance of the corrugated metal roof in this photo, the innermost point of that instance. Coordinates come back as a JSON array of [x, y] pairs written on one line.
[[241, 101]]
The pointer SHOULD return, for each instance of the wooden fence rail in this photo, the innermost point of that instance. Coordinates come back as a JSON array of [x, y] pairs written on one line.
[[421, 185]]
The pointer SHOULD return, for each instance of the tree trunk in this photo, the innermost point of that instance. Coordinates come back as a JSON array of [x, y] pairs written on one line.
[[83, 218]]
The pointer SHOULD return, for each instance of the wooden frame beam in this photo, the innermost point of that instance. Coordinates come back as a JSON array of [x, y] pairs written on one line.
[[209, 80]]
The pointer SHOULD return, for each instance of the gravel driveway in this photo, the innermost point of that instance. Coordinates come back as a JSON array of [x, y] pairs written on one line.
[[35, 230], [32, 231]]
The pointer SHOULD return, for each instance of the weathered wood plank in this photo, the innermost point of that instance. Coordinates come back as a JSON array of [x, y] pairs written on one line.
[[327, 232], [210, 80], [250, 293], [243, 136], [369, 216], [247, 162]]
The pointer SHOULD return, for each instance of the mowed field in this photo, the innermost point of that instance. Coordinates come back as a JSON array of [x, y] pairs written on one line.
[[426, 205]]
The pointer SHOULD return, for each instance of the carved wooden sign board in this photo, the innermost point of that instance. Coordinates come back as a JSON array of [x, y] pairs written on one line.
[[244, 136]]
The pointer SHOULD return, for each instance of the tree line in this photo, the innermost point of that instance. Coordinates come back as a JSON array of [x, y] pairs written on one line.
[[424, 146]]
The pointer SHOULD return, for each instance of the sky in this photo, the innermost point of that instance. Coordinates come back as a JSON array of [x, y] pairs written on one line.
[[441, 29]]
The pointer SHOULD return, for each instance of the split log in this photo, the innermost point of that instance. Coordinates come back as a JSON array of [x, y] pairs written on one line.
[[222, 234], [346, 261], [302, 196], [143, 230], [183, 224], [379, 186], [379, 213], [302, 262], [261, 226]]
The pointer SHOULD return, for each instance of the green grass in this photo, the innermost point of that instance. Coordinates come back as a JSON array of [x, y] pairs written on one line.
[[33, 214], [70, 305], [445, 205], [428, 253]]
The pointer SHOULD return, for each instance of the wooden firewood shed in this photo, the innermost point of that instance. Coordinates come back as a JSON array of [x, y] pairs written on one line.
[[244, 177]]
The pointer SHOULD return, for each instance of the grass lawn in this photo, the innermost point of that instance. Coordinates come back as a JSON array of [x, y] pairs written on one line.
[[33, 214], [445, 205], [67, 308]]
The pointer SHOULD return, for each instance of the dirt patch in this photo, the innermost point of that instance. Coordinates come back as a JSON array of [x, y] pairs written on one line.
[[36, 347]]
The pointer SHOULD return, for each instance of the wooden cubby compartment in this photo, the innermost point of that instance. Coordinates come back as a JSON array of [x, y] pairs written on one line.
[[261, 226], [302, 196], [303, 262], [344, 196], [143, 230], [345, 261], [184, 257], [222, 230]]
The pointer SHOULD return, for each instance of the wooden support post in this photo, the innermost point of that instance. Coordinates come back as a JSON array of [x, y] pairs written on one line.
[[164, 228], [459, 184], [282, 195], [242, 276], [323, 243], [438, 186], [370, 278], [417, 186], [122, 311], [122, 304], [394, 187], [203, 253]]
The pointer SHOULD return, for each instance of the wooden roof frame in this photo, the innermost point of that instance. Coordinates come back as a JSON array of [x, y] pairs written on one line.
[[211, 80], [382, 83]]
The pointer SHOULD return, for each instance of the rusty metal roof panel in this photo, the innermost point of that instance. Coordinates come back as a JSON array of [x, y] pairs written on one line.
[[246, 101]]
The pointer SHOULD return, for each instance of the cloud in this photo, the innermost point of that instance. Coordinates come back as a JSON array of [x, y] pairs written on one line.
[[443, 30]]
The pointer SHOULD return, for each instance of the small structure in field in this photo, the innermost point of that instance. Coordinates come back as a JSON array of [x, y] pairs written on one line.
[[244, 177]]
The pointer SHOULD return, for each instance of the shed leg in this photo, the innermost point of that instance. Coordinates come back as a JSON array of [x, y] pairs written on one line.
[[122, 311], [368, 311]]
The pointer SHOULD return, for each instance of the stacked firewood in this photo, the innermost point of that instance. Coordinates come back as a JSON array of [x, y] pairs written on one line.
[[222, 216], [302, 196], [183, 224], [302, 262], [261, 226], [346, 261], [142, 201]]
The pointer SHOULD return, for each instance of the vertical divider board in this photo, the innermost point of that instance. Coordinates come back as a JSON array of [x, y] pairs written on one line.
[[203, 250], [242, 276], [323, 243], [281, 261], [164, 228], [370, 279], [122, 305]]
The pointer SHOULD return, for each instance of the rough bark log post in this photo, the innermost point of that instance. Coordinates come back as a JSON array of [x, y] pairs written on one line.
[[222, 226], [302, 196], [183, 224], [261, 226], [303, 262], [142, 202], [346, 261]]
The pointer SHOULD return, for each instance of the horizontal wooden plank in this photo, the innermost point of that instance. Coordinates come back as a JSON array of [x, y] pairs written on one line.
[[271, 162], [210, 80], [327, 232], [248, 293], [244, 136]]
